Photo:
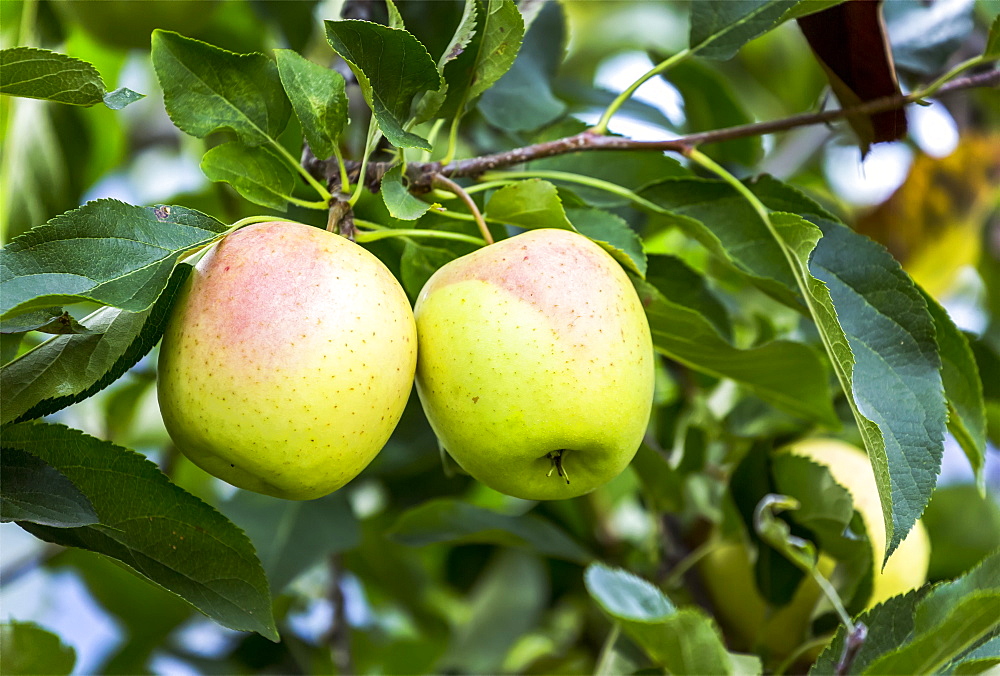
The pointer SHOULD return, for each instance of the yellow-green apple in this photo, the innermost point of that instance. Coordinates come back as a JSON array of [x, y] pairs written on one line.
[[287, 360], [850, 467], [535, 364], [727, 571]]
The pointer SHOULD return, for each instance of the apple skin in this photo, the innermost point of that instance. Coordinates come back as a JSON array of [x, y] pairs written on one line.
[[534, 345], [850, 467], [287, 360], [727, 571]]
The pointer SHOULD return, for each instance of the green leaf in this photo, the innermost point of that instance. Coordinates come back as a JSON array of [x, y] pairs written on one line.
[[529, 204], [501, 32], [66, 369], [662, 484], [292, 536], [713, 213], [625, 596], [679, 282], [207, 89], [864, 301], [788, 375], [523, 99], [950, 619], [418, 263], [41, 74], [121, 97], [710, 103], [391, 67], [992, 50], [153, 527], [318, 99], [879, 333], [106, 251], [506, 603], [395, 18], [924, 39], [613, 234], [964, 527], [889, 625], [447, 520], [978, 660], [826, 510], [256, 172], [719, 29], [46, 320], [398, 200], [430, 103], [963, 387], [34, 491], [29, 649], [685, 641]]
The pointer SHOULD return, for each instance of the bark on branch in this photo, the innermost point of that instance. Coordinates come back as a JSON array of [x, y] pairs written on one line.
[[421, 174]]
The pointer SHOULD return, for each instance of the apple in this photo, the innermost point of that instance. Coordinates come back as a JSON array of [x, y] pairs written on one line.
[[287, 360], [850, 467], [535, 364], [727, 571]]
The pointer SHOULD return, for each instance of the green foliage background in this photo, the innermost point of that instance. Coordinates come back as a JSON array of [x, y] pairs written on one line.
[[761, 325]]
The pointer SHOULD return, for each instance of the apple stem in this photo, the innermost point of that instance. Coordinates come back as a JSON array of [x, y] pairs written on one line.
[[557, 464], [449, 185]]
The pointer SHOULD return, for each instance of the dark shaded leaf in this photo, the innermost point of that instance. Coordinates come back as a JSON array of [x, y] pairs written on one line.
[[46, 320], [447, 520], [787, 375], [152, 526], [66, 369], [291, 536], [719, 29], [613, 234], [710, 103], [851, 45], [34, 491], [523, 99]]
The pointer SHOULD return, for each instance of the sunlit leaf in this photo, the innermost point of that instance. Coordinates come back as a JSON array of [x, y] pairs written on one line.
[[256, 172], [206, 89], [106, 251], [391, 67], [318, 99]]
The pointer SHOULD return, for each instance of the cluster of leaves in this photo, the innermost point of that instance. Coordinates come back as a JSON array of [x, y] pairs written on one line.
[[837, 336]]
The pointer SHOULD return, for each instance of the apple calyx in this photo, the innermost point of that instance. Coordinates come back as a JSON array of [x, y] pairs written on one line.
[[556, 457]]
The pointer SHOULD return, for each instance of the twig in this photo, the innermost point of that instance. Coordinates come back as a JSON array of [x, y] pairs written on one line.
[[440, 181], [339, 636], [421, 174]]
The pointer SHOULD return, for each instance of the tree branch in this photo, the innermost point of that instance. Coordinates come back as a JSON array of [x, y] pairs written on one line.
[[421, 174]]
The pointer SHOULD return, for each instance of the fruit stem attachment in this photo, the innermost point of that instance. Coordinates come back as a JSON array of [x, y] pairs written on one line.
[[557, 464], [440, 181]]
